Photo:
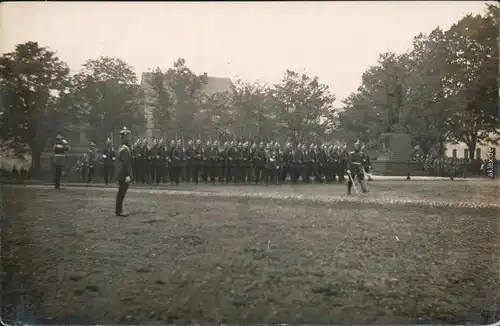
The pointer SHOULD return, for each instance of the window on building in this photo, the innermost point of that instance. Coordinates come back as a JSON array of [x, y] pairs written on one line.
[[478, 153], [466, 153], [454, 153]]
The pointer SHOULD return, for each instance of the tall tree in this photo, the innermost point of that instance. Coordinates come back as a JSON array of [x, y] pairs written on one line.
[[33, 82], [301, 103], [253, 115], [161, 99], [109, 97], [379, 104], [473, 75], [428, 101], [177, 97]]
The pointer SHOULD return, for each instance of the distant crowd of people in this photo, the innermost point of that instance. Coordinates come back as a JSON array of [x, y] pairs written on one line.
[[443, 166]]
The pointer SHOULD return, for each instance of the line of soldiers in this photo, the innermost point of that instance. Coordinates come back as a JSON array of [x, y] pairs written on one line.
[[91, 159], [239, 162]]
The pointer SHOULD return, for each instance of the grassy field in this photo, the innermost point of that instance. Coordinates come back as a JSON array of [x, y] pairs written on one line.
[[181, 258]]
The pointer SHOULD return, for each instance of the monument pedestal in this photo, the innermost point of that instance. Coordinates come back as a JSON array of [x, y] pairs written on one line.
[[395, 155]]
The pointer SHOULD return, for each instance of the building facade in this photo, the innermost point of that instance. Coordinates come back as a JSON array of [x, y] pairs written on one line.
[[483, 151]]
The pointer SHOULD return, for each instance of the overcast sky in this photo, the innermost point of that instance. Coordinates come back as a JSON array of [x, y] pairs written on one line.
[[337, 41]]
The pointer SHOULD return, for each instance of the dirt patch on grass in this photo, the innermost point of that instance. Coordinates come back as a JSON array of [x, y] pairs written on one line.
[[68, 259]]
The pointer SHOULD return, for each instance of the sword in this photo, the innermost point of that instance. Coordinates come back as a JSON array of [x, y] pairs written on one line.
[[353, 183]]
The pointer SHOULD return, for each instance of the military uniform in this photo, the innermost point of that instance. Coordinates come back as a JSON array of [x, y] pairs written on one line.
[[230, 162], [355, 169], [286, 162], [143, 160], [197, 157], [295, 166], [189, 161], [259, 163], [222, 162], [322, 158], [171, 169], [177, 160], [60, 149], [124, 171], [271, 166], [91, 162], [211, 155], [156, 162], [135, 160], [162, 163], [109, 158]]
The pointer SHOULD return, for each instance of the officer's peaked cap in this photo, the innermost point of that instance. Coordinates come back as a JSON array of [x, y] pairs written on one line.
[[125, 131]]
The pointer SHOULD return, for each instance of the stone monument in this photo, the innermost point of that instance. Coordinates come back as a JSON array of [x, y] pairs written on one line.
[[394, 154], [395, 148]]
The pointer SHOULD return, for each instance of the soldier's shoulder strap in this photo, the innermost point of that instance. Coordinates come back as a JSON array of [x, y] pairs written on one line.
[[124, 147]]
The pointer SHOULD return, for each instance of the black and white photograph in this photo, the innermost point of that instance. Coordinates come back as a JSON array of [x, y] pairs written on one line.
[[240, 162]]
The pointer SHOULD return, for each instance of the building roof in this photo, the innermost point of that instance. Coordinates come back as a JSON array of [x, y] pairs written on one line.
[[213, 85]]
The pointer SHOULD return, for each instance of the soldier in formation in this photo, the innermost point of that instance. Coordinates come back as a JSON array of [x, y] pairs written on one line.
[[60, 149], [91, 161], [108, 157]]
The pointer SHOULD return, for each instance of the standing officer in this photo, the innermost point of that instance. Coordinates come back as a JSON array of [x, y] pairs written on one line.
[[108, 156], [355, 169], [197, 161], [189, 162], [60, 149], [124, 174], [162, 165], [177, 161], [135, 160], [154, 161], [91, 161]]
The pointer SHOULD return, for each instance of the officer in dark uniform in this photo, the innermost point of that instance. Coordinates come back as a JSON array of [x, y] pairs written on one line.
[[231, 162], [355, 169], [162, 164], [156, 162], [222, 163], [259, 163], [124, 173], [211, 163], [296, 161], [286, 162], [144, 162], [239, 162], [170, 168], [108, 157], [271, 165], [135, 159], [60, 149], [189, 161], [177, 161], [197, 158], [323, 163], [91, 161]]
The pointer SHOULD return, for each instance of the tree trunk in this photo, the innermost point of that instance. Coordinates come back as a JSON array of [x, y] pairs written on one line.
[[472, 150]]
